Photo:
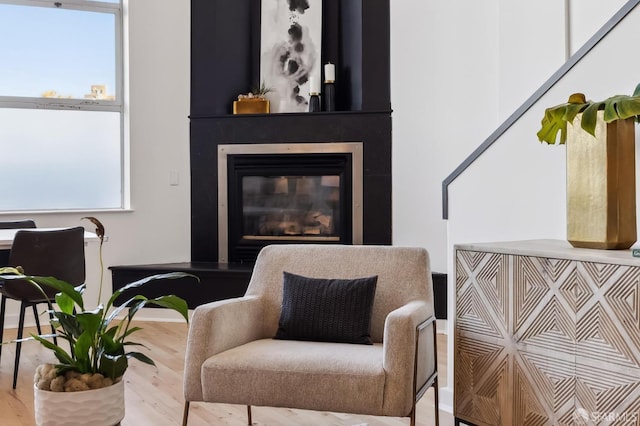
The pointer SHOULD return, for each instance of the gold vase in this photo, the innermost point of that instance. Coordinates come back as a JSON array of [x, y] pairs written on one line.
[[601, 185]]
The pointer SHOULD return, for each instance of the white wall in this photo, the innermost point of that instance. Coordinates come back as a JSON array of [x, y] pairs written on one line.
[[158, 227], [477, 62], [443, 93], [531, 47], [588, 15]]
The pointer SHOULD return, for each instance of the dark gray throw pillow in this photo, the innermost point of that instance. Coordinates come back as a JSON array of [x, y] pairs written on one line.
[[327, 310]]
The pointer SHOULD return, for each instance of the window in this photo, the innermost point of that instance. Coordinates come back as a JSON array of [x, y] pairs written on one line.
[[61, 105]]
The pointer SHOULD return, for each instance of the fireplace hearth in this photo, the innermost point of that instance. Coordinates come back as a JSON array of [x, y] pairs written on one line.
[[287, 193]]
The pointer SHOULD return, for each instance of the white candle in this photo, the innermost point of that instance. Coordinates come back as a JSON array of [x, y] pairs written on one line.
[[314, 86], [329, 73]]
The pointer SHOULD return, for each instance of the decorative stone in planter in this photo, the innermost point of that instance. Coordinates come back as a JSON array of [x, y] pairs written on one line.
[[601, 185], [96, 407]]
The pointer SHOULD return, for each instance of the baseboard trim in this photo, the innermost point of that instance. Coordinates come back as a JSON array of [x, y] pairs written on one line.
[[446, 399]]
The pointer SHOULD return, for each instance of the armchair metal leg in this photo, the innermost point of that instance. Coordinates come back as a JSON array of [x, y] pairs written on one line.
[[432, 381], [185, 415], [436, 402], [250, 421]]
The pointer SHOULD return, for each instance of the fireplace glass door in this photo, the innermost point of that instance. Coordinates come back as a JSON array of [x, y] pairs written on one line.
[[303, 198], [291, 207]]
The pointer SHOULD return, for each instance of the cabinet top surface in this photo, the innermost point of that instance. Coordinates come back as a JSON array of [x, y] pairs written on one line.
[[558, 249]]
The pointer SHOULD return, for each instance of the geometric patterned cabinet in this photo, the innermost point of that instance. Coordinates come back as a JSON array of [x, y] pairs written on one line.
[[546, 334]]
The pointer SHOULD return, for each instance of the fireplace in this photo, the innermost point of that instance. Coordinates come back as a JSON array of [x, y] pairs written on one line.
[[287, 193]]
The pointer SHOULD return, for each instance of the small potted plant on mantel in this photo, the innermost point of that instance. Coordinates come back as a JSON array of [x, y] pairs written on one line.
[[601, 190], [85, 387], [254, 102]]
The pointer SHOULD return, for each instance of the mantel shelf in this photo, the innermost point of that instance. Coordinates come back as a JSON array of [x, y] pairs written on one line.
[[289, 114]]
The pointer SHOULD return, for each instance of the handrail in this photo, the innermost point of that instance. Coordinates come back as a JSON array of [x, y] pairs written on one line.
[[564, 69]]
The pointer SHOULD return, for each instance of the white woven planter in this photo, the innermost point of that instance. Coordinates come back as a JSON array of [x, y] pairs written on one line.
[[99, 407]]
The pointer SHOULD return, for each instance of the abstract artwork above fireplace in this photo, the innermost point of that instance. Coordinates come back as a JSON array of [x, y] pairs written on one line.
[[291, 39], [287, 193]]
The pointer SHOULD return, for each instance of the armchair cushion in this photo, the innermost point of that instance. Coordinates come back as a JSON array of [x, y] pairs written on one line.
[[326, 310], [308, 375]]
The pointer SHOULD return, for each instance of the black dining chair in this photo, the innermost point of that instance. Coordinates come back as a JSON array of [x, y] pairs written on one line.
[[4, 261], [16, 224], [55, 253]]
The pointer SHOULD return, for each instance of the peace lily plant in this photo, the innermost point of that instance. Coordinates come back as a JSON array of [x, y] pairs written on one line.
[[98, 340], [619, 107]]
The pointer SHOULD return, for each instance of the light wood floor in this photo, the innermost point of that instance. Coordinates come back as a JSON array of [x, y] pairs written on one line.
[[154, 397]]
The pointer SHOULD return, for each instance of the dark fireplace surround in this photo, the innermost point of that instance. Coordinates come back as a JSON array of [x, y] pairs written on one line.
[[355, 37], [371, 130]]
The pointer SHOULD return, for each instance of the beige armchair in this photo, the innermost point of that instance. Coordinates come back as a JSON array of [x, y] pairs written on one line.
[[232, 357]]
